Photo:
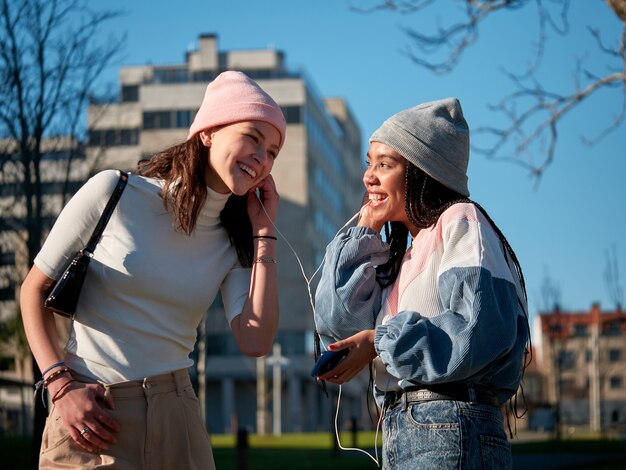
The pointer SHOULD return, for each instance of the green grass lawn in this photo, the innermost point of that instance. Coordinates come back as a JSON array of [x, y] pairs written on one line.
[[317, 451], [290, 451]]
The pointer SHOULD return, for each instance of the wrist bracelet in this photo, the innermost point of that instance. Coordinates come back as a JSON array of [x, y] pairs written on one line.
[[265, 260], [55, 375], [269, 237], [60, 391], [56, 364]]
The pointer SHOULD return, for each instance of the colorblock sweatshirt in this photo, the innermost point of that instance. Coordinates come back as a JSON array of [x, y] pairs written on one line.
[[455, 314]]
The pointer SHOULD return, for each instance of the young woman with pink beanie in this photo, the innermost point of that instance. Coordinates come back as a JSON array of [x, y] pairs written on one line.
[[188, 224]]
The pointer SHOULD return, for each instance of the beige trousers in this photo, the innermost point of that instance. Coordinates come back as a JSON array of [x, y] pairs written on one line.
[[161, 429]]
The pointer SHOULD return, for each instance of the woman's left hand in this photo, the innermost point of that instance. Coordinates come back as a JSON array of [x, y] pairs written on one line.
[[361, 353], [268, 199]]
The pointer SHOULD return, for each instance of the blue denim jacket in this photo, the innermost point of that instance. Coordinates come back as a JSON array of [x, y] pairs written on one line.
[[478, 337]]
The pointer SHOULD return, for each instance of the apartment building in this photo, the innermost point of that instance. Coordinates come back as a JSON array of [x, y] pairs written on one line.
[[583, 357], [63, 170], [318, 175]]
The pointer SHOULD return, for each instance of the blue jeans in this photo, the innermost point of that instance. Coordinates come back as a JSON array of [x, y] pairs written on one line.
[[444, 435]]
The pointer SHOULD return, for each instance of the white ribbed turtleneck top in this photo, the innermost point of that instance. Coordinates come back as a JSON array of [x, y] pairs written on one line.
[[148, 285]]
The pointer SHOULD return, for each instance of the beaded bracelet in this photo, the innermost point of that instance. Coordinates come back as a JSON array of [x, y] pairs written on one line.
[[59, 391], [269, 237], [265, 260], [43, 383], [55, 375]]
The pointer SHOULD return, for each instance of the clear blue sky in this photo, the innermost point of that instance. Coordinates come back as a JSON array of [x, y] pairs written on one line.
[[562, 228]]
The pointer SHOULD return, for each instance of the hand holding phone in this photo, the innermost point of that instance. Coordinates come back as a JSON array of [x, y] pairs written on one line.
[[327, 361]]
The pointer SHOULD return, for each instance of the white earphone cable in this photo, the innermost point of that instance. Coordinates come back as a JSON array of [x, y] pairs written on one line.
[[312, 303]]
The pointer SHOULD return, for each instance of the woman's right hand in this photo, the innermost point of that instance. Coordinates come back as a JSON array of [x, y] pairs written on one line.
[[362, 352], [367, 217], [82, 408]]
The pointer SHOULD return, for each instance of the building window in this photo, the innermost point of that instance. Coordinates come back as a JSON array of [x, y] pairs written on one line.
[[293, 114], [580, 330], [221, 344], [203, 76], [7, 293], [555, 328], [113, 137], [7, 258], [615, 355], [183, 118], [59, 155], [7, 364], [157, 119], [292, 343], [259, 74], [129, 137], [318, 139], [59, 188], [328, 192], [170, 75], [615, 417], [613, 328], [130, 94], [588, 356], [616, 382], [324, 226], [171, 119], [567, 360]]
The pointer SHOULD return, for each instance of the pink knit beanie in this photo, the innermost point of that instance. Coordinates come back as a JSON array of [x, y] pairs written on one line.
[[234, 97]]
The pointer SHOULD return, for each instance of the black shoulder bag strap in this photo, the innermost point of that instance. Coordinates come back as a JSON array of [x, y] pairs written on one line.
[[65, 293], [106, 214]]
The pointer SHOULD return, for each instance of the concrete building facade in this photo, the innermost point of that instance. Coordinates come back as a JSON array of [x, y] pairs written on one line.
[[318, 176], [63, 170]]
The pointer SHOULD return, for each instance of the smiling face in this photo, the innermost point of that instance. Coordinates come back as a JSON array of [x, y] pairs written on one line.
[[385, 182], [241, 155]]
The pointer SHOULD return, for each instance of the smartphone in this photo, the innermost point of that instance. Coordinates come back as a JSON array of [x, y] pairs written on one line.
[[327, 361]]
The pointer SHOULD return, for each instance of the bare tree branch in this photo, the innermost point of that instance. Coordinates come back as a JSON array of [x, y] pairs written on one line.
[[50, 58], [549, 108], [403, 7], [551, 297], [534, 114], [49, 63]]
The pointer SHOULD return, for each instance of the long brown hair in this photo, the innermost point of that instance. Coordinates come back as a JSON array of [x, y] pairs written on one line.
[[183, 167]]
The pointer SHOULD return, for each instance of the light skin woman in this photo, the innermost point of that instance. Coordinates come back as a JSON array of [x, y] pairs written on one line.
[[241, 158], [205, 206]]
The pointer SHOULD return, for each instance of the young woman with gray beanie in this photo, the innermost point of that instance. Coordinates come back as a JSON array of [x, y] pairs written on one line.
[[189, 224], [445, 321]]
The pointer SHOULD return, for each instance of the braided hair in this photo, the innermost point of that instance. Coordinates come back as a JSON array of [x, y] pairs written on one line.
[[426, 199]]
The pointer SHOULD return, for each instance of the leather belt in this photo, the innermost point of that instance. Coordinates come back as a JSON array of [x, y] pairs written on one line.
[[466, 393]]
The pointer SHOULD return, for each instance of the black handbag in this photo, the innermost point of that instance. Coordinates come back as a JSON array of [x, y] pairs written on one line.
[[64, 296]]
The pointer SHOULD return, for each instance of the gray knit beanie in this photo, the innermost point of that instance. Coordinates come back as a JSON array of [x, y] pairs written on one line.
[[434, 137]]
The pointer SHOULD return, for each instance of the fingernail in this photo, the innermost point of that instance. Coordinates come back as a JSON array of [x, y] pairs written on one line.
[[331, 346]]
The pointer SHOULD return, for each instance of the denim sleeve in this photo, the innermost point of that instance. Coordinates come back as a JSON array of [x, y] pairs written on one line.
[[476, 331], [455, 345], [348, 296]]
